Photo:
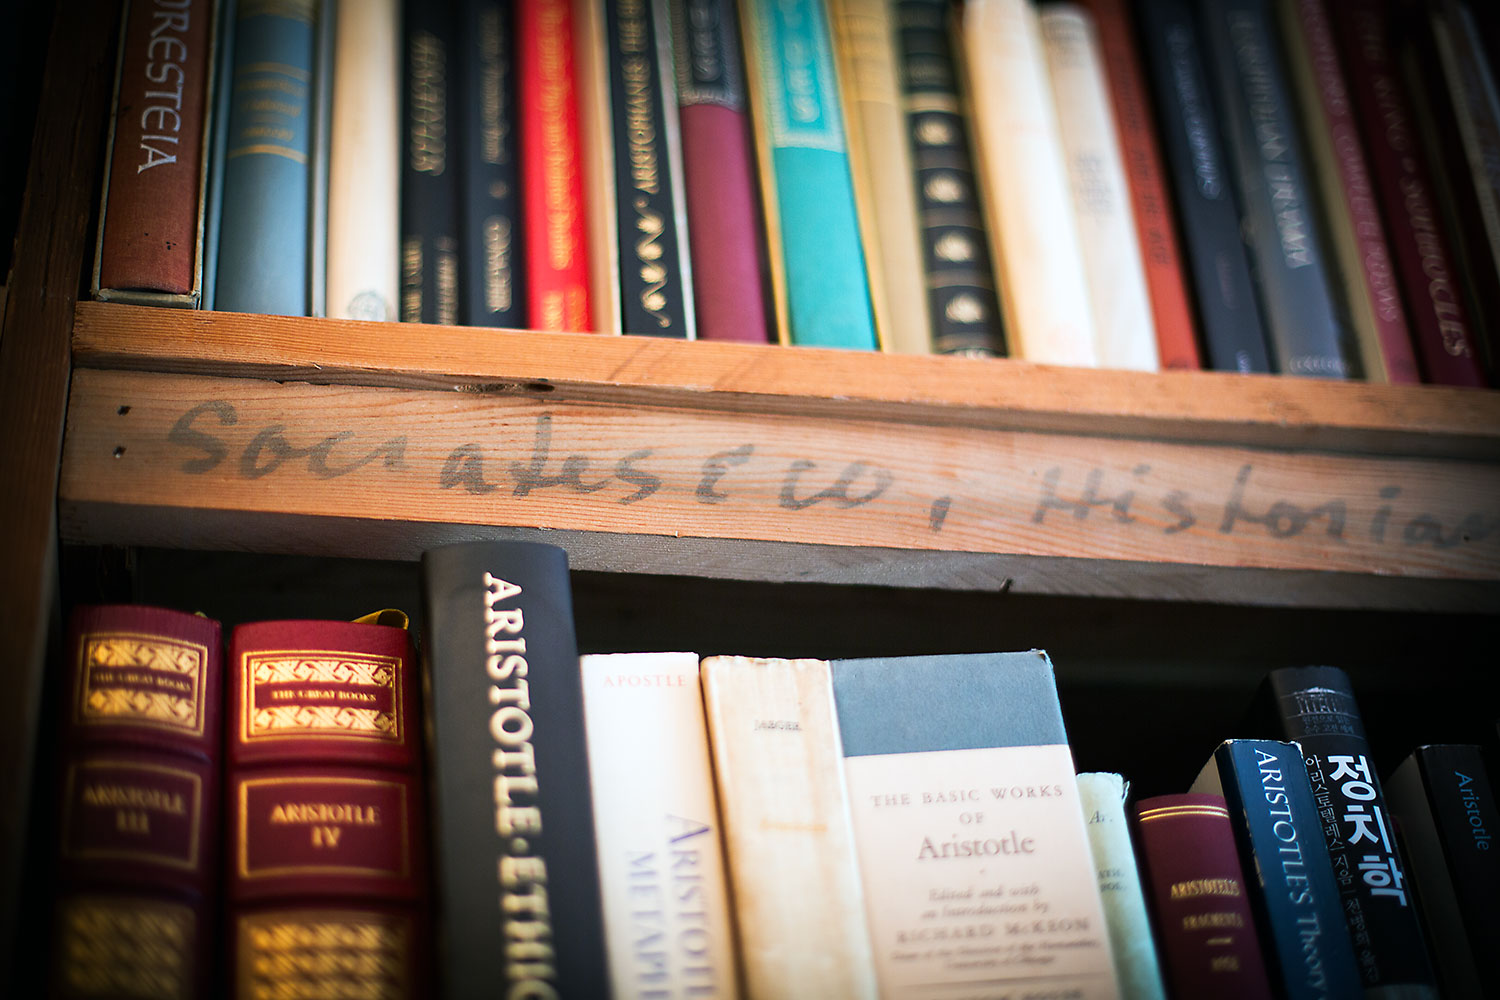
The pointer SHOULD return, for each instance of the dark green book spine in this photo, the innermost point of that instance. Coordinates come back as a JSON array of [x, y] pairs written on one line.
[[961, 298], [1315, 706], [429, 167], [490, 278], [516, 874]]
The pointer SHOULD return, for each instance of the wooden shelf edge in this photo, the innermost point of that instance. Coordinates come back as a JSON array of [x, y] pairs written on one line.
[[1263, 411]]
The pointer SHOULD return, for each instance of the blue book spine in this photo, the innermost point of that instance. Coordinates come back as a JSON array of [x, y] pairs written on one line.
[[827, 285], [490, 277], [263, 238], [1293, 895]]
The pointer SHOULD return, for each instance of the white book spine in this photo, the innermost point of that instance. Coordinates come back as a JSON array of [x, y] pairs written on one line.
[[364, 195], [1120, 892]]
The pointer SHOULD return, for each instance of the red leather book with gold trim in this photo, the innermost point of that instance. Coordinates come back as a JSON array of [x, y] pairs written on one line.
[[138, 788], [324, 811]]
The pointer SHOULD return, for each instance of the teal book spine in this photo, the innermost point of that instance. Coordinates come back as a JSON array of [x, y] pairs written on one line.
[[1130, 937], [262, 263], [968, 828], [827, 287]]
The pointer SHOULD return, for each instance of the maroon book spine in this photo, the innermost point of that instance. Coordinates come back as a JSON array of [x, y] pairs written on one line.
[[1196, 889], [138, 782], [326, 869], [150, 231], [1444, 336]]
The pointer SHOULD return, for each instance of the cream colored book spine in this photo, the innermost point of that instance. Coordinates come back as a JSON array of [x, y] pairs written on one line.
[[1123, 324], [597, 146], [787, 829], [880, 156], [667, 928], [1032, 225], [364, 162]]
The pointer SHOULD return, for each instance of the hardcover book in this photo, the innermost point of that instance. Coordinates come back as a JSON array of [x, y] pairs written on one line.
[[818, 269], [661, 859], [799, 905], [723, 208], [1234, 337], [515, 866], [1294, 895], [1201, 906], [1279, 211], [960, 279], [138, 772], [968, 826], [1131, 940], [1315, 706], [150, 249], [1032, 224], [430, 166], [326, 874], [1445, 802]]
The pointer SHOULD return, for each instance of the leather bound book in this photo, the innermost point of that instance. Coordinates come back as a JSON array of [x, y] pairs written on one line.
[[150, 223], [517, 876], [430, 166], [138, 786], [1198, 898], [723, 208]]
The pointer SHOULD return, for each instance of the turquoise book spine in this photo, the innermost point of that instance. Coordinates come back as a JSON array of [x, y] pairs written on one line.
[[263, 262], [827, 286]]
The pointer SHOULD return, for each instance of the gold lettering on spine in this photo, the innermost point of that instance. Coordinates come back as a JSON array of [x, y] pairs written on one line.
[[492, 123], [645, 174], [558, 176], [428, 98], [497, 250]]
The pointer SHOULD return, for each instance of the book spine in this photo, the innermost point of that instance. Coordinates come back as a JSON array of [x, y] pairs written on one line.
[[654, 274], [729, 293], [1445, 804], [1478, 101], [320, 160], [1440, 324], [1123, 325], [661, 858], [514, 849], [1197, 889], [1155, 219], [217, 144], [955, 810], [1130, 937], [962, 305], [1032, 225], [263, 231], [326, 874], [1233, 335], [1316, 708], [364, 162], [865, 49], [1296, 898], [430, 291], [137, 770], [491, 282], [799, 906], [556, 251], [818, 263], [150, 236], [1356, 231], [1279, 212]]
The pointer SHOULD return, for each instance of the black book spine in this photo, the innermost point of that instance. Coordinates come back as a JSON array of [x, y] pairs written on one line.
[[1234, 337], [1315, 707], [515, 869], [650, 203], [1305, 322], [961, 298], [429, 168], [490, 276]]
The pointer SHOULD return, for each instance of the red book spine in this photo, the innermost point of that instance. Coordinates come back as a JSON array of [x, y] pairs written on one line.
[[1156, 226], [150, 218], [1196, 889], [326, 873], [1359, 196], [1421, 248], [138, 781], [554, 240]]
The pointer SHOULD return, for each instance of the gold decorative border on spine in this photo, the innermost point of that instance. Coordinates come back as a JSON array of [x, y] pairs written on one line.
[[339, 669], [242, 820], [194, 809], [142, 651]]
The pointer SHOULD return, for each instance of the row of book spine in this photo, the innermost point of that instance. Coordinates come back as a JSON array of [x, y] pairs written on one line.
[[1258, 185], [653, 824]]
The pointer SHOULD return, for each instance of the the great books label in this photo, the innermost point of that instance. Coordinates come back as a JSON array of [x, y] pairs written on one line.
[[973, 884]]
